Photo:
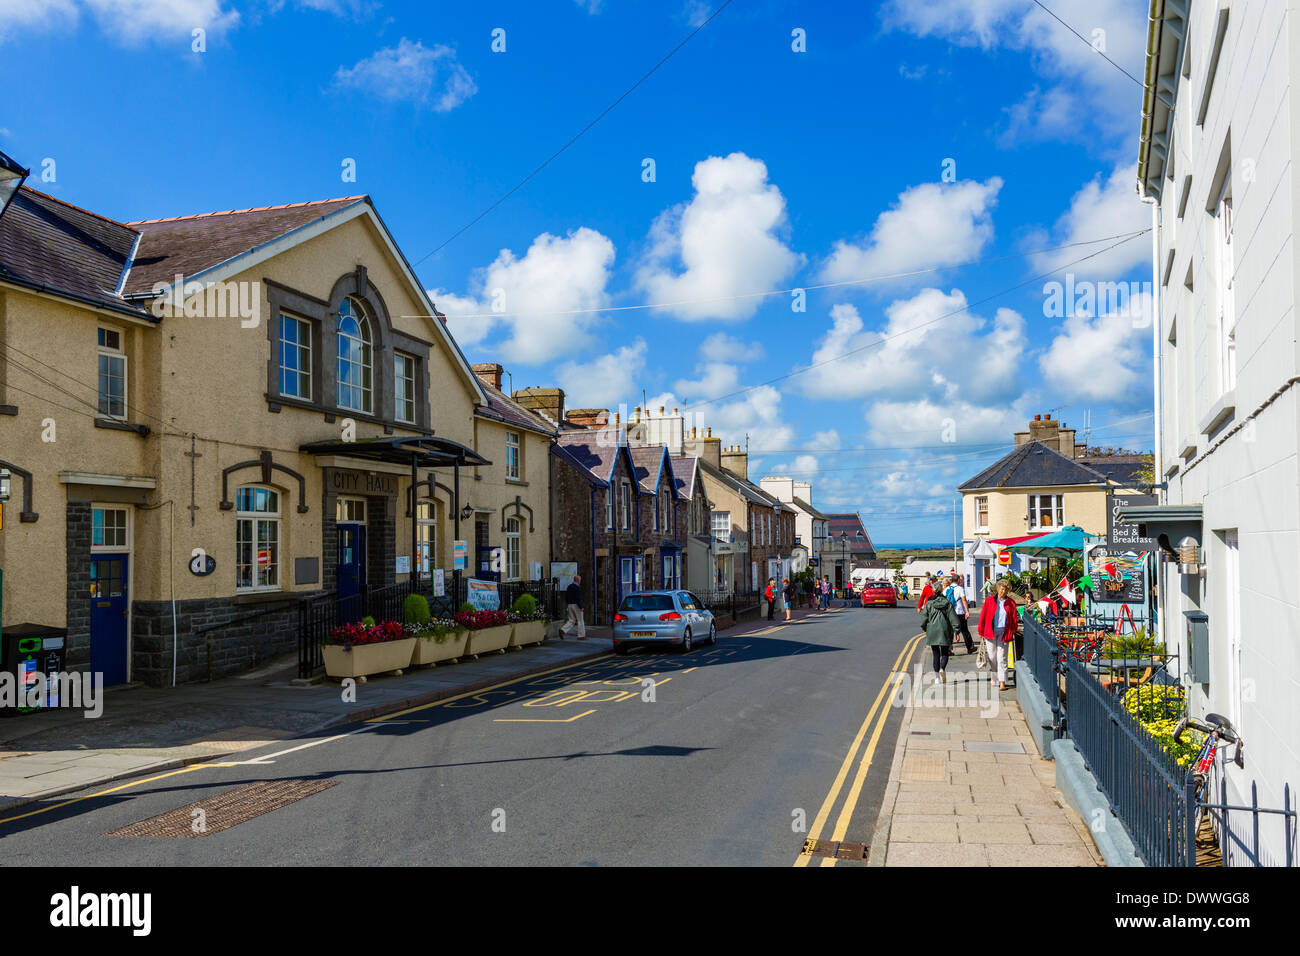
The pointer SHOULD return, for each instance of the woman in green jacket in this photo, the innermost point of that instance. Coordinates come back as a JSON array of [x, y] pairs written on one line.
[[940, 622]]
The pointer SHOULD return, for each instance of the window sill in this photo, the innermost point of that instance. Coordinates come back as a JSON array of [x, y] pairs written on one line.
[[121, 426], [276, 402], [261, 597], [1220, 413], [517, 481]]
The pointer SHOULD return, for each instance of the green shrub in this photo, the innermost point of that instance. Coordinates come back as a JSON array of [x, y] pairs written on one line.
[[416, 609], [525, 605], [367, 621], [466, 608]]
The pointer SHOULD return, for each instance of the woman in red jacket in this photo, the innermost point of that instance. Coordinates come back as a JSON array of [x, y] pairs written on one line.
[[998, 628]]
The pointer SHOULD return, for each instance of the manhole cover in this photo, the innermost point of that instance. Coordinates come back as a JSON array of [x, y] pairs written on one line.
[[225, 810]]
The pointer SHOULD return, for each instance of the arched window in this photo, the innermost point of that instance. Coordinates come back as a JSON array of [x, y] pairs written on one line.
[[426, 530], [355, 371], [512, 549], [257, 539]]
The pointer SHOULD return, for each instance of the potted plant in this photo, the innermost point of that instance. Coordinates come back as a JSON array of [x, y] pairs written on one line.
[[488, 630], [358, 650], [529, 621], [437, 641]]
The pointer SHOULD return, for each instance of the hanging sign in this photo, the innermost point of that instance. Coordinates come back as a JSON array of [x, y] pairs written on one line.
[[460, 555], [483, 595]]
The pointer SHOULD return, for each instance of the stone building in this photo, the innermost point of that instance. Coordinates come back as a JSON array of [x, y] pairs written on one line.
[[210, 418]]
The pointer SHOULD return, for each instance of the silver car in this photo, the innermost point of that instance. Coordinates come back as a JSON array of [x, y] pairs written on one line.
[[647, 618]]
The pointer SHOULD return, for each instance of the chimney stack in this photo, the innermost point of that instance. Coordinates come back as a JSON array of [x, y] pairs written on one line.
[[547, 401], [490, 373]]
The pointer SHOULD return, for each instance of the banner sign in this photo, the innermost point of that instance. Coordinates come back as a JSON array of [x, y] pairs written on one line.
[[483, 595], [1121, 535], [460, 555], [439, 583]]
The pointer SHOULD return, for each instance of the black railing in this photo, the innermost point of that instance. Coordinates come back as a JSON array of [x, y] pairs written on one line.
[[1146, 789], [1042, 660], [1234, 850], [317, 616]]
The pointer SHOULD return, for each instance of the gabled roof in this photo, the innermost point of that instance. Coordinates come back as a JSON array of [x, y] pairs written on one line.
[[650, 464], [746, 489], [190, 245], [1033, 465], [1121, 469], [685, 469], [852, 524], [502, 408], [586, 450], [808, 509], [566, 454], [53, 246]]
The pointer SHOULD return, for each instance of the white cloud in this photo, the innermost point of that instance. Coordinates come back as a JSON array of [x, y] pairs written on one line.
[[426, 76], [128, 21], [1099, 209], [716, 379], [1088, 93], [828, 440], [924, 349], [926, 422], [721, 347], [591, 6], [531, 294], [695, 12], [1102, 359], [341, 8], [932, 225], [603, 382], [726, 242]]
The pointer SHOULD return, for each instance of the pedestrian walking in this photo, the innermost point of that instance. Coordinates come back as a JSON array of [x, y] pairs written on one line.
[[956, 595], [939, 621], [788, 590], [997, 628], [927, 592], [769, 595], [826, 593], [573, 609]]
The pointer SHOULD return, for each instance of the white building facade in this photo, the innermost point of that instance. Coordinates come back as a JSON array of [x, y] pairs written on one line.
[[1218, 162]]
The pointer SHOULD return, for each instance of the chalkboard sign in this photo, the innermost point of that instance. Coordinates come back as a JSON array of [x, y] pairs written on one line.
[[1128, 582]]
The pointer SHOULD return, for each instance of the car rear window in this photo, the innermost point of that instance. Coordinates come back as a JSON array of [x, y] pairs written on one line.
[[647, 602]]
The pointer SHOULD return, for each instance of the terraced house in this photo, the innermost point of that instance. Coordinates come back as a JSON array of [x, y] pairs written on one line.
[[210, 418]]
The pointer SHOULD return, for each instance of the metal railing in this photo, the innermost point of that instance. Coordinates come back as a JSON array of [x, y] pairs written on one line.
[[1042, 660], [1146, 789], [1233, 848]]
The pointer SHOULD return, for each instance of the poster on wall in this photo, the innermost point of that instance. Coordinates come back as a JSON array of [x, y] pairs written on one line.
[[563, 573], [483, 595], [460, 555], [534, 570], [403, 564], [439, 583]]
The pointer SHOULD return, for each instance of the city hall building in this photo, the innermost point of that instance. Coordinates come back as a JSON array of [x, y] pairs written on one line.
[[208, 419]]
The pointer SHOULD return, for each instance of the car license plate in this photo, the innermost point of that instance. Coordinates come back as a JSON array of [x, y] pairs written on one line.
[[641, 634]]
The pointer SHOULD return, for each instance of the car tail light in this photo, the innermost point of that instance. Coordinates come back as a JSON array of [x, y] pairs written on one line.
[[619, 617], [670, 616]]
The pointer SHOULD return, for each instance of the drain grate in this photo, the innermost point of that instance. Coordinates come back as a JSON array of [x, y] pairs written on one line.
[[839, 851], [225, 810]]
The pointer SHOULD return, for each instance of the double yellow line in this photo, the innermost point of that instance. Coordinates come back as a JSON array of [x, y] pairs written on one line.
[[855, 791]]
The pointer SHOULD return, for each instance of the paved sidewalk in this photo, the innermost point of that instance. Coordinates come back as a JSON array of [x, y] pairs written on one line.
[[146, 729], [967, 786]]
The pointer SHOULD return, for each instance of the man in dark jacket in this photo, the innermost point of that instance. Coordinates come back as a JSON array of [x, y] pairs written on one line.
[[573, 609]]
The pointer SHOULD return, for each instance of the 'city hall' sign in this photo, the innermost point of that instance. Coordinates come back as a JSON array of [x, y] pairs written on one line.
[[341, 481]]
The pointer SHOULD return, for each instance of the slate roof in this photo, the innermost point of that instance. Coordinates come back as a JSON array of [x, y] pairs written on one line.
[[577, 462], [647, 460], [585, 450], [809, 509], [49, 244], [684, 470], [836, 523], [1121, 469], [188, 245], [746, 489], [1034, 465], [504, 409]]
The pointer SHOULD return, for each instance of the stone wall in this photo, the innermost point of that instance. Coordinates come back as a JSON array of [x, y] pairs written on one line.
[[78, 595]]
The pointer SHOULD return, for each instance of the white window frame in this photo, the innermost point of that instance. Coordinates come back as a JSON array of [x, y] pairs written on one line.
[[302, 351], [1057, 508], [253, 519], [426, 536], [713, 525], [514, 463], [407, 381], [609, 507], [514, 553], [113, 353], [982, 504], [346, 510], [627, 505], [104, 548], [365, 360]]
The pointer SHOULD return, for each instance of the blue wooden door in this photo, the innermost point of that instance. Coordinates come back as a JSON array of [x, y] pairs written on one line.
[[109, 603], [351, 570]]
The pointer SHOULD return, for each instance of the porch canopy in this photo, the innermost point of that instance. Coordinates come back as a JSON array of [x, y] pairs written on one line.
[[422, 451], [419, 451]]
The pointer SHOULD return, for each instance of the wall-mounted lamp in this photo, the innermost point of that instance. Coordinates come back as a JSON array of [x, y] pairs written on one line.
[[466, 513], [1189, 556]]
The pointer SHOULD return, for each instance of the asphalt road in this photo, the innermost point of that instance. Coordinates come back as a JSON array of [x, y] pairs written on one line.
[[729, 755]]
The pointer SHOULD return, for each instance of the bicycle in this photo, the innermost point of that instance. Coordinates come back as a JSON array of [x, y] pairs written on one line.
[[1216, 728]]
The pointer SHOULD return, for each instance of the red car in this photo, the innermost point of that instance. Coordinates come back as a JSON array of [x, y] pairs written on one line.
[[877, 593]]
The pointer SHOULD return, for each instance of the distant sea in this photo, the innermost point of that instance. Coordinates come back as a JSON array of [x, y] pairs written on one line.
[[912, 547]]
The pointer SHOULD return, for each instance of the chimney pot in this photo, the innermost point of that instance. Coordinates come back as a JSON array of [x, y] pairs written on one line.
[[661, 411], [710, 434]]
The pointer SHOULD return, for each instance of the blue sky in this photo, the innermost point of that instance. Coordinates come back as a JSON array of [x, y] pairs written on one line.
[[954, 141]]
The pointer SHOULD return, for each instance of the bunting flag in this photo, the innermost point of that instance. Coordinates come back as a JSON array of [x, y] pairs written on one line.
[[1085, 583], [1067, 595], [1044, 605]]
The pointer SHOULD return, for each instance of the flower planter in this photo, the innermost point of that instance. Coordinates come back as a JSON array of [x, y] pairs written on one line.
[[528, 632], [429, 651], [489, 639], [363, 659]]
